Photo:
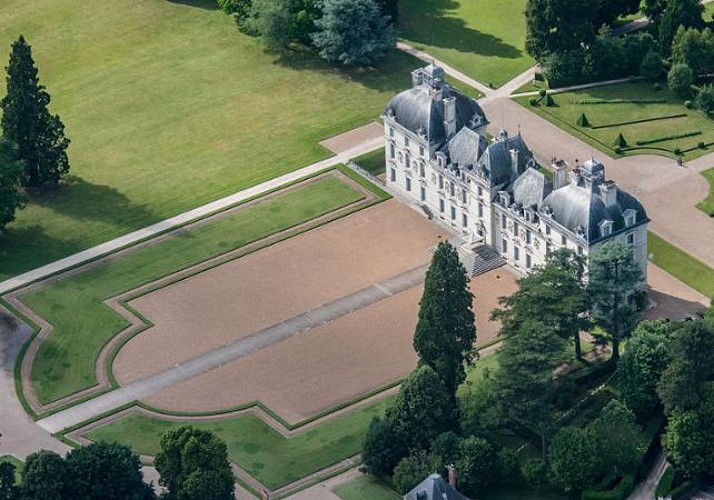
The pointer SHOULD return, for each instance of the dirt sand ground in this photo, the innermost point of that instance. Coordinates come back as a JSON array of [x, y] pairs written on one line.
[[221, 305], [343, 142], [339, 361]]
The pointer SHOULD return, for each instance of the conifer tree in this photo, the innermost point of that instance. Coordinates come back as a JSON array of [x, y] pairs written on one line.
[[445, 333], [10, 171], [27, 121]]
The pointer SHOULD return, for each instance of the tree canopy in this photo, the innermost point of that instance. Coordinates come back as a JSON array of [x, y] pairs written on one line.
[[11, 198], [554, 26]]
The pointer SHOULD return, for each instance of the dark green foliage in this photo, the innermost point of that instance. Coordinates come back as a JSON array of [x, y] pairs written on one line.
[[447, 447], [613, 276], [688, 104], [27, 122], [533, 101], [389, 8], [574, 459], [665, 482], [694, 48], [642, 120], [8, 489], [412, 470], [705, 98], [609, 10], [382, 448], [642, 364], [617, 150], [11, 168], [620, 491], [620, 141], [45, 477], [549, 102], [554, 26], [583, 121], [620, 443], [446, 332], [553, 293], [278, 23], [524, 385], [353, 32], [535, 473], [679, 13], [689, 439], [590, 102], [680, 78], [651, 66], [104, 471], [653, 8], [662, 138], [477, 465], [238, 8], [193, 465], [542, 93], [657, 87]]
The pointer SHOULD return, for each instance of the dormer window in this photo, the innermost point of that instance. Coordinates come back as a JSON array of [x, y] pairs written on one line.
[[630, 217], [606, 228]]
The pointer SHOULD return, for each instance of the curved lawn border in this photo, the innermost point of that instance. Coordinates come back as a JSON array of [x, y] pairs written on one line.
[[371, 194]]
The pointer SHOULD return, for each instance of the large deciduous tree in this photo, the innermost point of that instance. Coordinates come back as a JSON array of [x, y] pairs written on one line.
[[620, 443], [612, 280], [574, 459], [524, 383], [8, 489], [193, 465], [45, 477], [689, 439], [554, 294], [446, 331], [555, 26], [27, 121], [642, 364], [353, 32], [11, 198], [609, 10], [678, 13]]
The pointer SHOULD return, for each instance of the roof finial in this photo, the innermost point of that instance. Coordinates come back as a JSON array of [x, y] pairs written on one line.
[[519, 130]]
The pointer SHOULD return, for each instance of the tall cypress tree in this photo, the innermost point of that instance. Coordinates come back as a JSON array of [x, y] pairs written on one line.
[[445, 334], [27, 121], [10, 171]]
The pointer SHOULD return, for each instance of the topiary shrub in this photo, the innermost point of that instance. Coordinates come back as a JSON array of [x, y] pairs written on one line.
[[701, 145], [666, 482], [688, 104], [657, 87], [583, 120], [549, 101], [620, 141], [617, 150], [677, 151], [680, 79], [538, 77], [533, 102], [542, 93], [535, 473]]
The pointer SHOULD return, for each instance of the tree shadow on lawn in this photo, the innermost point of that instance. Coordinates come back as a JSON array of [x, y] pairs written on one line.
[[83, 200], [437, 27], [201, 4]]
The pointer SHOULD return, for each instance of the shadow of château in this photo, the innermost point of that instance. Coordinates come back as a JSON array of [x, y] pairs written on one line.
[[432, 24], [671, 307], [201, 4]]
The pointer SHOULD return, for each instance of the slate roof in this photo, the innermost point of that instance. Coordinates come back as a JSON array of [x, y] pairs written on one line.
[[531, 188], [496, 160], [416, 110], [465, 148], [434, 488]]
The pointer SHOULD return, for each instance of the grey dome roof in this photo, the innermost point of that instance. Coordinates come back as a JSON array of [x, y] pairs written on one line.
[[580, 207], [416, 110]]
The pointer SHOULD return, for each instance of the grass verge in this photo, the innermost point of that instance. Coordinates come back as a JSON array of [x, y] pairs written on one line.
[[372, 162], [707, 205], [365, 487], [681, 265]]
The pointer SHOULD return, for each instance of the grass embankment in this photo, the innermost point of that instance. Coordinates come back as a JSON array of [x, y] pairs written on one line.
[[372, 162], [256, 447], [169, 107], [363, 488], [681, 265], [65, 362], [483, 40], [606, 120], [19, 465], [707, 205]]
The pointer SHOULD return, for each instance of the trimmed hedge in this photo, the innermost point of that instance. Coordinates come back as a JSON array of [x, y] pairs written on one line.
[[619, 101], [665, 483], [643, 120], [619, 492], [663, 138], [684, 489]]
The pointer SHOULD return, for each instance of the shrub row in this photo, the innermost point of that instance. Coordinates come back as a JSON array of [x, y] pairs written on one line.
[[619, 101], [643, 120], [684, 489], [663, 138], [619, 492], [665, 483]]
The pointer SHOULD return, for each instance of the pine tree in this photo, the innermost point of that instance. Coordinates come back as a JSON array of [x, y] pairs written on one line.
[[10, 171], [27, 122], [445, 333]]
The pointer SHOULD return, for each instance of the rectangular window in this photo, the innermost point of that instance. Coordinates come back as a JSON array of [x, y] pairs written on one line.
[[529, 262], [409, 184], [393, 176], [465, 220], [631, 239], [441, 181], [406, 141], [548, 248], [503, 221], [391, 132], [528, 236], [441, 205], [563, 240], [392, 151], [422, 170], [516, 253], [504, 246], [480, 209], [547, 230], [480, 191], [421, 150], [463, 196], [452, 189], [580, 250], [453, 212], [515, 228]]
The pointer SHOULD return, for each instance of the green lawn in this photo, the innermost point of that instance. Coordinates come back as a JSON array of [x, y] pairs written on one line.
[[65, 362], [483, 39], [681, 265], [566, 113], [372, 162], [19, 465], [363, 488], [256, 447], [168, 107], [707, 205]]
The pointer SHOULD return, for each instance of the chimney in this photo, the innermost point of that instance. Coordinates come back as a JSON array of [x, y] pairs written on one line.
[[514, 163], [575, 176], [452, 476], [450, 116], [560, 170], [608, 193], [417, 77]]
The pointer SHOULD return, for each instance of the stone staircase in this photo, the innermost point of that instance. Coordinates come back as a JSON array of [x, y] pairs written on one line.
[[477, 259]]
